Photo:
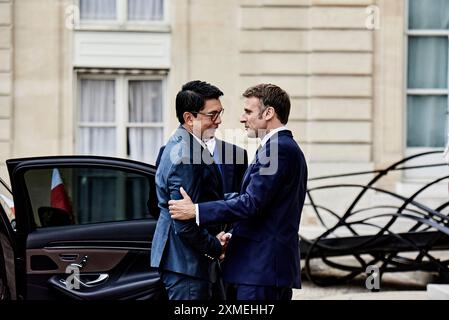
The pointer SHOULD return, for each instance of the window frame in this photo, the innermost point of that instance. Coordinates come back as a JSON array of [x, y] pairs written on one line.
[[420, 92], [121, 123], [122, 22], [419, 176]]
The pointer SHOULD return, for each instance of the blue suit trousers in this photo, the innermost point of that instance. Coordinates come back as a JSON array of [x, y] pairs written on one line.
[[184, 287]]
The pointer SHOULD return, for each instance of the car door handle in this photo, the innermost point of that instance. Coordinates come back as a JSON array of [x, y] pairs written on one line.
[[102, 277], [68, 256]]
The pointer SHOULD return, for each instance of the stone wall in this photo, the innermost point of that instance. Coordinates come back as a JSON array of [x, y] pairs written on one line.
[[6, 78]]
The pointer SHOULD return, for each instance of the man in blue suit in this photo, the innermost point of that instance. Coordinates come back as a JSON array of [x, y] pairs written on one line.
[[262, 258], [184, 253], [232, 162]]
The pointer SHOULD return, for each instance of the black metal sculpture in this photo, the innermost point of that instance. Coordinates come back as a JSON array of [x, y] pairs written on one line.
[[402, 235]]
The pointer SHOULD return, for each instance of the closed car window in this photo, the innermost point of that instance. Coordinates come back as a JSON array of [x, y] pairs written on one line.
[[7, 204], [65, 196]]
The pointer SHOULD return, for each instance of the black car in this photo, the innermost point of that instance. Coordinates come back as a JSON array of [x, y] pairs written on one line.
[[83, 230]]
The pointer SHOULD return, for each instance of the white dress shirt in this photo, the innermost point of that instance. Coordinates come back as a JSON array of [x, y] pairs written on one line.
[[270, 134], [201, 142], [210, 144]]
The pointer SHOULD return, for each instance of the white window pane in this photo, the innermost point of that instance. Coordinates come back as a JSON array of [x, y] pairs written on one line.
[[429, 14], [97, 101], [98, 9], [427, 62], [144, 144], [97, 141], [145, 10], [145, 101], [426, 121]]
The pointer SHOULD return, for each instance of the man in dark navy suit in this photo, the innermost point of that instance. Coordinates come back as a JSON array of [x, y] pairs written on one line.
[[262, 258], [184, 253]]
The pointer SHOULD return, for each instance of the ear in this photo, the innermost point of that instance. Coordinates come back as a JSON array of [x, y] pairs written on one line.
[[187, 116], [270, 113]]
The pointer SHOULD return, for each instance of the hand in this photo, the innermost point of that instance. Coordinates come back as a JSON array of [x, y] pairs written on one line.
[[222, 236], [182, 209], [224, 239]]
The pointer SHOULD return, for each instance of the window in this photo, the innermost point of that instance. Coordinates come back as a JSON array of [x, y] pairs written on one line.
[[144, 10], [122, 11], [7, 205], [65, 196], [120, 116], [98, 9], [427, 73]]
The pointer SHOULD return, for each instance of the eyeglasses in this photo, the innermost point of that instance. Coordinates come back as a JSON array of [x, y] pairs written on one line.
[[212, 115]]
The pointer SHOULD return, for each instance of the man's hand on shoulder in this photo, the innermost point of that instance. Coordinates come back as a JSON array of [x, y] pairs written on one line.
[[182, 209]]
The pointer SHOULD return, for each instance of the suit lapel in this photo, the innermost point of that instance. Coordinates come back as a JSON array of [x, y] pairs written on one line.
[[263, 150], [248, 171]]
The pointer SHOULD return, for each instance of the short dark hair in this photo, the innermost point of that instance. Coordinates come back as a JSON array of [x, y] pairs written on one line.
[[193, 96], [271, 95]]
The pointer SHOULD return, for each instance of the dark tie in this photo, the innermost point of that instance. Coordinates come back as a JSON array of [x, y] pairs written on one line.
[[217, 162]]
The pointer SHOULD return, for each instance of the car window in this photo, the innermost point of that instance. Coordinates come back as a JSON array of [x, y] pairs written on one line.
[[7, 203], [65, 196]]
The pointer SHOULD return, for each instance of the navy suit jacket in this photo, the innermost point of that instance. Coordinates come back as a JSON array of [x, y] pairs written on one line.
[[232, 162], [182, 246], [264, 248]]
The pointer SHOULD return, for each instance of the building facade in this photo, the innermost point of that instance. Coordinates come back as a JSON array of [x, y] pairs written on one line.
[[368, 79]]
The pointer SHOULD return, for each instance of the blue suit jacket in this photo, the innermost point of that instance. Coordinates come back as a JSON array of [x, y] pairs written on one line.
[[232, 163], [264, 248], [182, 246]]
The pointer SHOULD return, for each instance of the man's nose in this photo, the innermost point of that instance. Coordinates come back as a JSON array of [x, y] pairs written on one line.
[[242, 118], [218, 121]]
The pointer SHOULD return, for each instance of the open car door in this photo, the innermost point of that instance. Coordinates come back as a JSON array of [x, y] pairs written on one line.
[[84, 227]]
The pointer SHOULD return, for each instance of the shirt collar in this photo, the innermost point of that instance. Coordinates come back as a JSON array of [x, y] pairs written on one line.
[[270, 134], [201, 142], [211, 145]]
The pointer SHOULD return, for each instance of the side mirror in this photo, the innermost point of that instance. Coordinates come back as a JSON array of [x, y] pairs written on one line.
[[53, 217]]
